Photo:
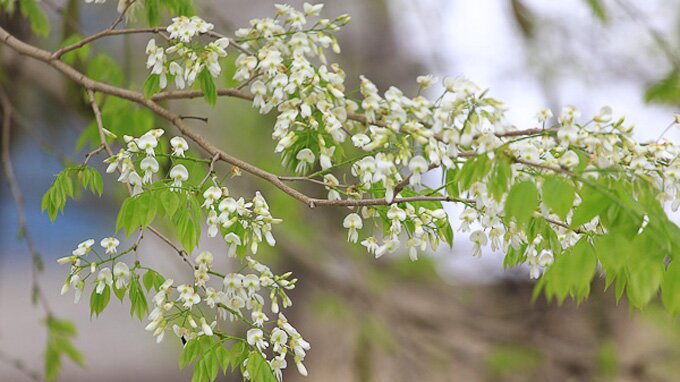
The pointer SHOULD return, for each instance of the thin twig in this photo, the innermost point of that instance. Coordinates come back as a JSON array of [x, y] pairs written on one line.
[[19, 366], [211, 170], [17, 194], [100, 122], [178, 122], [120, 17], [202, 119]]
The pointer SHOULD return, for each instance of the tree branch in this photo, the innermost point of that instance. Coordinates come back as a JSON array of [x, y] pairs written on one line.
[[177, 121]]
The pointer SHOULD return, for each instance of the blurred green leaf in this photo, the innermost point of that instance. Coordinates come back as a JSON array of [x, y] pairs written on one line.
[[665, 91]]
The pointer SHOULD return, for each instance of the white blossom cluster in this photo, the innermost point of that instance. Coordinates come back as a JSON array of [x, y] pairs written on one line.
[[186, 58], [288, 72], [253, 218], [80, 265], [409, 136], [247, 297], [427, 225], [147, 145]]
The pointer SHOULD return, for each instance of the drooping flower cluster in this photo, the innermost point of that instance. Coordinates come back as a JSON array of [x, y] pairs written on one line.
[[184, 61], [194, 309], [226, 215]]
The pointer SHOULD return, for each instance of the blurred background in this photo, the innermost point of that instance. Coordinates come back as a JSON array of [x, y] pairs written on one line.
[[447, 317]]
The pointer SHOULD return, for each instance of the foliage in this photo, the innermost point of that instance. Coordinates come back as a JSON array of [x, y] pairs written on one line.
[[569, 198]]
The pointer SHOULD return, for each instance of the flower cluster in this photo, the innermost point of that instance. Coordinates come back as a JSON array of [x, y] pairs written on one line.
[[82, 269], [181, 309], [285, 76], [184, 61], [227, 215], [423, 225]]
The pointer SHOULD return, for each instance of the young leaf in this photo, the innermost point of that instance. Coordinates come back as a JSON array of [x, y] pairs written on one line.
[[521, 203], [208, 87], [36, 17], [558, 194], [670, 288], [152, 85]]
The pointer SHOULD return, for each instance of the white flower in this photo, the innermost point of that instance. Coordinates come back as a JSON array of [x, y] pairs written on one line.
[[279, 338], [479, 238], [418, 166], [360, 140], [150, 166], [188, 296], [110, 244], [121, 273], [460, 85], [605, 115], [83, 247], [104, 278], [148, 143], [353, 223], [252, 283], [211, 195], [305, 157], [301, 368], [136, 182], [277, 364], [544, 115], [312, 9], [178, 174], [233, 282], [205, 328], [176, 70], [179, 146], [233, 241], [205, 258], [569, 159], [259, 318], [426, 80], [255, 337]]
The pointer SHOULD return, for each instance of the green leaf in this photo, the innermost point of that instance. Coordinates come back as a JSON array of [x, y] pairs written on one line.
[[558, 194], [500, 178], [153, 14], [258, 368], [36, 17], [666, 90], [105, 69], [598, 9], [211, 365], [223, 358], [146, 208], [238, 354], [59, 335], [208, 87], [645, 271], [592, 204], [572, 272], [521, 203], [98, 302], [670, 288], [189, 353], [138, 304], [152, 85], [78, 54], [127, 216], [170, 202], [153, 279], [200, 374], [473, 170], [120, 293]]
